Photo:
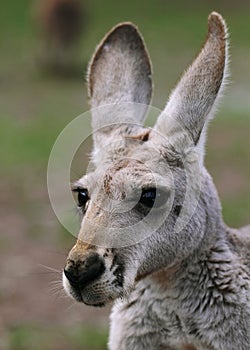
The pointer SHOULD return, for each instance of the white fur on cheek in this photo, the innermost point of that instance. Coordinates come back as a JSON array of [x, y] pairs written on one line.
[[66, 285]]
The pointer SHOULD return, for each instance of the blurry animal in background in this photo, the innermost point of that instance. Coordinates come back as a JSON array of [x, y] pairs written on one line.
[[152, 236], [61, 24]]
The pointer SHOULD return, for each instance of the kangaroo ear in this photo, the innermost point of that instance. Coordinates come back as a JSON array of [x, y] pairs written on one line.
[[192, 101], [119, 72]]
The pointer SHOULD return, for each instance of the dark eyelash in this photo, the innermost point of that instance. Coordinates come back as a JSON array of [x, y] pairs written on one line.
[[83, 196], [152, 197]]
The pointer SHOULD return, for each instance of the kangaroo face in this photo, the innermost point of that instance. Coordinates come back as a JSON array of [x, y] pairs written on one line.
[[142, 197], [122, 203], [129, 204]]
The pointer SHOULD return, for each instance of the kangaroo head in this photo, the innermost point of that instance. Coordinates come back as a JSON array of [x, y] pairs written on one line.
[[143, 204]]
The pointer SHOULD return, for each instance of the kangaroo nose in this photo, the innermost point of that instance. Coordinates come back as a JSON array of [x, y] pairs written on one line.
[[80, 274]]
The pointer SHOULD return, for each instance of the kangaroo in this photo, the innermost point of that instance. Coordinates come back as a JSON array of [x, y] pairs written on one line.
[[152, 237], [61, 23]]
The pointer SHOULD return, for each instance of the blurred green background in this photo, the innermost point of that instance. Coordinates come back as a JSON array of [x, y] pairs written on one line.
[[34, 108]]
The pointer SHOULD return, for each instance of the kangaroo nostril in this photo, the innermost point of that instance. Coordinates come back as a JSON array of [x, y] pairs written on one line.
[[81, 274]]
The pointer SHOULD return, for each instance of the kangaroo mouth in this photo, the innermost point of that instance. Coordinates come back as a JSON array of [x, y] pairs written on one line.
[[85, 297], [80, 298], [97, 294]]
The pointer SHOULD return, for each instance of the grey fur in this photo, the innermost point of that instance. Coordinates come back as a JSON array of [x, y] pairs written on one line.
[[186, 284]]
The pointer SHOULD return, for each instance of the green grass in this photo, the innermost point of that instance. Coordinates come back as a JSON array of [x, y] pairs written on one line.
[[30, 337]]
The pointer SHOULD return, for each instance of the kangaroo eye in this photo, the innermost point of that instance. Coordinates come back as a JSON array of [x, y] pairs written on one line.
[[82, 196], [152, 197]]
